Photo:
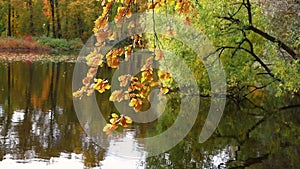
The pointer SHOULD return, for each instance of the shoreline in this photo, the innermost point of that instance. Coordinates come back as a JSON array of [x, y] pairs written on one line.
[[37, 56], [37, 50]]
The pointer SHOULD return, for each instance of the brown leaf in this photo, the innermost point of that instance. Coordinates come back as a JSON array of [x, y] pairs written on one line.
[[124, 80], [159, 54], [119, 95]]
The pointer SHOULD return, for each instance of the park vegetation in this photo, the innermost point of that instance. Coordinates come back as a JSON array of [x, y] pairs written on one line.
[[256, 41], [259, 59]]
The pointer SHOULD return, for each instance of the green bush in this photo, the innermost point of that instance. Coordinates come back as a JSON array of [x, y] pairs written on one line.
[[76, 44], [61, 44]]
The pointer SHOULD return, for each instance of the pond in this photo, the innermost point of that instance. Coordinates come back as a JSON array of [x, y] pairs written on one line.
[[39, 128]]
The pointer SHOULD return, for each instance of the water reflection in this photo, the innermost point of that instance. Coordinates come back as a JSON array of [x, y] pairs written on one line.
[[39, 129], [37, 120], [128, 144]]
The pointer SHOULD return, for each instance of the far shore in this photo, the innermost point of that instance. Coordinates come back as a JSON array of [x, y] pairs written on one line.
[[39, 44]]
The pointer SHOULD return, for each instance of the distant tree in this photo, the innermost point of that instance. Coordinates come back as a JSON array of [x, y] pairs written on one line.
[[57, 13], [52, 5], [31, 25], [9, 18]]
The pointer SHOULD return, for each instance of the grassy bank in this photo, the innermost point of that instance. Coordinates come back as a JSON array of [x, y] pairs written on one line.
[[29, 43]]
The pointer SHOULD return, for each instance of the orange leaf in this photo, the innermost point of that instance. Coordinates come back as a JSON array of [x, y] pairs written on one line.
[[113, 62], [136, 103], [128, 53], [86, 80], [147, 75], [92, 71]]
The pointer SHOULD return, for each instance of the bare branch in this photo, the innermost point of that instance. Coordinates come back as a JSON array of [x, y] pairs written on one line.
[[248, 6], [281, 44]]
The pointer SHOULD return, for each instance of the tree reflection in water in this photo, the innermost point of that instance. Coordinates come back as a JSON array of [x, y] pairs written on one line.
[[38, 122]]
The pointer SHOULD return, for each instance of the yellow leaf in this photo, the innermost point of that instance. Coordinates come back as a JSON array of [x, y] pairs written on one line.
[[107, 127], [114, 115], [164, 90], [178, 5], [128, 120], [113, 120], [154, 84], [164, 76], [170, 2], [78, 93], [132, 102], [92, 54], [101, 85]]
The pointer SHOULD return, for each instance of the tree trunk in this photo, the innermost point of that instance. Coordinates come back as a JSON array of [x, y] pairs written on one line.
[[66, 34], [9, 18], [59, 35], [79, 26], [53, 18], [66, 28], [31, 28], [12, 22]]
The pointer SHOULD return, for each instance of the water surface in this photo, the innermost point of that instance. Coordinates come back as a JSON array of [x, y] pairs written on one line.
[[39, 128]]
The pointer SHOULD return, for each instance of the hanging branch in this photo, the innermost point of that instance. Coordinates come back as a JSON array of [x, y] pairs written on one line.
[[281, 44]]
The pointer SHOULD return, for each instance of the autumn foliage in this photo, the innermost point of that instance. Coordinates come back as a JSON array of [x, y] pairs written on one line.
[[135, 89]]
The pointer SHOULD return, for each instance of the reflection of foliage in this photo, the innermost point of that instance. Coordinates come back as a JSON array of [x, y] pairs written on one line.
[[252, 137], [48, 109], [248, 137]]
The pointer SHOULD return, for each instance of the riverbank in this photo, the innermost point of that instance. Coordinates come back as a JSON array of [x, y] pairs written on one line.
[[45, 44], [38, 56]]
